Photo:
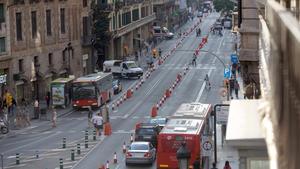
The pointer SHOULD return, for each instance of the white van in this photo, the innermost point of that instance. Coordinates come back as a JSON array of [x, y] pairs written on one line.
[[162, 31], [123, 68]]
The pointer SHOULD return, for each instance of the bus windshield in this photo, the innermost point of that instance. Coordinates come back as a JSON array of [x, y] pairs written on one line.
[[84, 91]]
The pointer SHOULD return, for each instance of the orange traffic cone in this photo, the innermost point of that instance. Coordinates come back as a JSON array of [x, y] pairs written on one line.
[[102, 167], [168, 93], [107, 129], [129, 93], [154, 111], [179, 76]]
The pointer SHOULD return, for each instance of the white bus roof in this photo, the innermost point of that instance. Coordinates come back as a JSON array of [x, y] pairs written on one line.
[[93, 77], [183, 126], [193, 110]]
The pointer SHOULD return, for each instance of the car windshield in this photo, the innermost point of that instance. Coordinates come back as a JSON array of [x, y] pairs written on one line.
[[139, 147], [145, 131], [86, 91], [158, 121], [131, 65]]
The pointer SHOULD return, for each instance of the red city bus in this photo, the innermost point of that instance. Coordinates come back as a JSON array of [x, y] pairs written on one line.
[[188, 124], [92, 90]]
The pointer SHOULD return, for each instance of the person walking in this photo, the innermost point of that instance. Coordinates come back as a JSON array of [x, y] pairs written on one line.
[[227, 165], [196, 164], [98, 123], [207, 82], [36, 109], [54, 117], [194, 60], [90, 116], [236, 89]]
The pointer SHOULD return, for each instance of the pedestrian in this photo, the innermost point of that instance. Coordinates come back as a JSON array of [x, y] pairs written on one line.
[[236, 89], [98, 123], [199, 32], [214, 166], [227, 165], [47, 98], [90, 116], [159, 52], [207, 82], [194, 60], [36, 109], [196, 164], [54, 117], [231, 86]]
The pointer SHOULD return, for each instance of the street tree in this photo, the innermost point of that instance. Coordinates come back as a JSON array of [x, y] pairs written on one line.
[[223, 5]]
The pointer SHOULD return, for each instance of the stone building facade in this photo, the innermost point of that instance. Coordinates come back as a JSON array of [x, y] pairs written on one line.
[[42, 42]]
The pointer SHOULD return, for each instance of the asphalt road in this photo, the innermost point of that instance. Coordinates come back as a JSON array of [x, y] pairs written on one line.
[[47, 142]]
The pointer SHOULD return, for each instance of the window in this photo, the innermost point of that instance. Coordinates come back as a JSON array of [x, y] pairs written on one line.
[[36, 61], [143, 12], [62, 21], [48, 22], [2, 45], [2, 13], [84, 3], [19, 26], [126, 18], [135, 15], [21, 64], [85, 25], [64, 56], [33, 24], [50, 58]]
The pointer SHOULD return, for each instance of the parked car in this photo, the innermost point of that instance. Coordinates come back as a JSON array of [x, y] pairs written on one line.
[[117, 86], [140, 152], [160, 121], [147, 132], [200, 14]]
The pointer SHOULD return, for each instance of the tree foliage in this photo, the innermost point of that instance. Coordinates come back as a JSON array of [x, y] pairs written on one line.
[[100, 26], [223, 5]]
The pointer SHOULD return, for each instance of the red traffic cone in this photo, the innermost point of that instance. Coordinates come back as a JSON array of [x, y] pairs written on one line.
[[102, 167], [168, 93], [154, 111], [107, 129], [129, 93]]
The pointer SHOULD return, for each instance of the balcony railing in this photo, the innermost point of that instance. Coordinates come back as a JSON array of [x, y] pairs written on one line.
[[161, 2], [280, 81], [130, 27]]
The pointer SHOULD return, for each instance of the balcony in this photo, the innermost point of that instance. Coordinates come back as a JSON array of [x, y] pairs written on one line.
[[280, 80], [161, 2], [86, 40], [106, 7], [130, 27]]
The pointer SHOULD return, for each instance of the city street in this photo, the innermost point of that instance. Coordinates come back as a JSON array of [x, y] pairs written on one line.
[[46, 141]]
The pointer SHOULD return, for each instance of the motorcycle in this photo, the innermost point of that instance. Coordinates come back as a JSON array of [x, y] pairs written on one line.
[[3, 127]]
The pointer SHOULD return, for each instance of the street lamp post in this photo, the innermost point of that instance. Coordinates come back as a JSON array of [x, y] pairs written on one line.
[[183, 155]]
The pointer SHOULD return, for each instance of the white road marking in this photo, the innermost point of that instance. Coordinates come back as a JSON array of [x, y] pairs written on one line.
[[14, 166]]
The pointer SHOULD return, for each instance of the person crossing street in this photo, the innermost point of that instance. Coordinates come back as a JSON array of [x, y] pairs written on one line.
[[207, 82], [98, 123]]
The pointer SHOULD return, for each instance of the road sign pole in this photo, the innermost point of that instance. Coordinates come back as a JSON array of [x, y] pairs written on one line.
[[215, 128]]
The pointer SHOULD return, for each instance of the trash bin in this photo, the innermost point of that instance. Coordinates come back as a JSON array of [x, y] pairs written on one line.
[[43, 113]]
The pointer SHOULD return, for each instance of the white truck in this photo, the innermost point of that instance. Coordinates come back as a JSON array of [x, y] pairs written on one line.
[[162, 32], [121, 68]]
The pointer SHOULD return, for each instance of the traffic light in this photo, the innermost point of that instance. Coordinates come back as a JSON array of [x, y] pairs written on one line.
[[154, 52]]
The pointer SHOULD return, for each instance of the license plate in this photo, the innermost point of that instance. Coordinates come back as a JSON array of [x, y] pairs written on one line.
[[147, 137], [138, 155], [85, 107]]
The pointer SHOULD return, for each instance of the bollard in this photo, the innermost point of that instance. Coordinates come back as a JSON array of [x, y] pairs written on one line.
[[37, 154], [78, 148], [17, 159], [64, 143], [86, 143], [61, 163], [115, 158], [86, 134], [94, 135], [131, 138], [73, 155]]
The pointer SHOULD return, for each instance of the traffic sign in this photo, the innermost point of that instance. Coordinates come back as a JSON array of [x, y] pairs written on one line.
[[234, 58], [227, 72], [207, 146]]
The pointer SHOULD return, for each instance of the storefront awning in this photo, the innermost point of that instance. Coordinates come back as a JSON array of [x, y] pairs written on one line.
[[243, 127]]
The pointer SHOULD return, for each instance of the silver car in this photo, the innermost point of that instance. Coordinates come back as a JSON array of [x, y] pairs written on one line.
[[140, 152]]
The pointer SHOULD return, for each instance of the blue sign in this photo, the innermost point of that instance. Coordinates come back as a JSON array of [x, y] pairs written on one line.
[[234, 58], [227, 72]]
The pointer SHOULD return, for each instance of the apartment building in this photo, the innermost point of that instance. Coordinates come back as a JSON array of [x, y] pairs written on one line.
[[130, 25], [40, 40]]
